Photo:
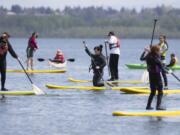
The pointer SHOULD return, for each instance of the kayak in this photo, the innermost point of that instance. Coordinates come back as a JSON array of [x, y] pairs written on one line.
[[147, 91], [118, 81], [17, 93], [51, 86], [38, 71], [57, 65], [144, 66], [148, 113]]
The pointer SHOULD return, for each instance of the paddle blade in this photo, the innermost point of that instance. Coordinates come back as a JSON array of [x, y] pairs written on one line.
[[145, 77], [37, 90], [71, 60], [41, 59]]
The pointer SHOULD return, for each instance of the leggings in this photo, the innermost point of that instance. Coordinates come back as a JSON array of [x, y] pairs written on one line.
[[3, 73], [97, 79], [113, 65]]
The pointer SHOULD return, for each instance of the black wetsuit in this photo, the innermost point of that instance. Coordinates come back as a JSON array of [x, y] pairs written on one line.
[[155, 68], [97, 60], [3, 63]]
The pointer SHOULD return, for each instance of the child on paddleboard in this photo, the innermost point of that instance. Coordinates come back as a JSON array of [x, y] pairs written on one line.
[[173, 61], [155, 68]]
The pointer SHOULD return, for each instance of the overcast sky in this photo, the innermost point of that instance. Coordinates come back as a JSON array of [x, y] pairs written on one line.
[[117, 4]]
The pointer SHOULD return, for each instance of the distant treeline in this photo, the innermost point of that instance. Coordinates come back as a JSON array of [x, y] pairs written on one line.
[[89, 22]]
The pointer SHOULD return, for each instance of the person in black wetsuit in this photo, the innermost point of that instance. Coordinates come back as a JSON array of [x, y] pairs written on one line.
[[5, 47], [155, 68], [98, 63]]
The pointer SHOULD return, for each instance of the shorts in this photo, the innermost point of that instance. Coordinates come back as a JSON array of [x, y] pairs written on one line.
[[30, 52]]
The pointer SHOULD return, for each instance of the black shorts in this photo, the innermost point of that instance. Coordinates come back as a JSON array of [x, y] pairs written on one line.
[[30, 52]]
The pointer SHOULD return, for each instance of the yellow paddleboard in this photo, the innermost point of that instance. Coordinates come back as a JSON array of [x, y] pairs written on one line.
[[154, 113], [51, 86], [147, 91], [118, 81], [17, 93], [37, 71]]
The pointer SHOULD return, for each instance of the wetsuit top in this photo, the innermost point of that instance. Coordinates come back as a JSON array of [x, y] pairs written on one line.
[[59, 57], [9, 48], [32, 43], [173, 62], [114, 45], [97, 60], [154, 64]]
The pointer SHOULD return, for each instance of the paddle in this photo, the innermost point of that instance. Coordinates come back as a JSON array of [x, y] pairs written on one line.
[[36, 90], [107, 59], [145, 74], [42, 59], [172, 73], [107, 84]]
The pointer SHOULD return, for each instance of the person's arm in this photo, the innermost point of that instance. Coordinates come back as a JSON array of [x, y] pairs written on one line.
[[89, 53], [33, 43], [11, 51], [103, 62], [172, 63]]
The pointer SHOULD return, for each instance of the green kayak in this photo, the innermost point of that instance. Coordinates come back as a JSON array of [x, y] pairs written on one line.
[[144, 66]]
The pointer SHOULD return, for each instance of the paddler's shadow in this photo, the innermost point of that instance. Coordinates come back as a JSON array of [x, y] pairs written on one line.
[[2, 99], [156, 119]]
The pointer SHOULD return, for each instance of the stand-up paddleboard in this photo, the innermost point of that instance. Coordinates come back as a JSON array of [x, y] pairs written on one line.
[[57, 65], [51, 86], [147, 91], [144, 66], [152, 113], [17, 93], [118, 81], [38, 71]]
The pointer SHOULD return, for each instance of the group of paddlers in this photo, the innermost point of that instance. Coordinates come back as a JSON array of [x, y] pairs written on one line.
[[154, 55]]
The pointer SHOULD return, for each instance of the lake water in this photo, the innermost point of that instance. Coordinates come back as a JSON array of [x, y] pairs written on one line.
[[74, 112]]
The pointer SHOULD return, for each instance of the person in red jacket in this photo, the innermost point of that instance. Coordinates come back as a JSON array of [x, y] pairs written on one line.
[[31, 48], [59, 58]]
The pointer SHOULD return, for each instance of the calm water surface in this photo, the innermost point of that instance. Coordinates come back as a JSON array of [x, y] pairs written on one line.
[[73, 112]]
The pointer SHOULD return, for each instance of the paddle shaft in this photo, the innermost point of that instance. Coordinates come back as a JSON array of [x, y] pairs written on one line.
[[107, 59], [42, 59], [152, 38], [25, 71], [175, 76]]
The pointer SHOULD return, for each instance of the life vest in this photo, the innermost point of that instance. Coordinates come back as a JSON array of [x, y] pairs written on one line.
[[163, 49], [60, 57], [3, 49]]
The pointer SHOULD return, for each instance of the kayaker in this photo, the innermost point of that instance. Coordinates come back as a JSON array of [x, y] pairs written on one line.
[[5, 47], [31, 48], [98, 62], [114, 46], [163, 51], [59, 58], [155, 68], [173, 61]]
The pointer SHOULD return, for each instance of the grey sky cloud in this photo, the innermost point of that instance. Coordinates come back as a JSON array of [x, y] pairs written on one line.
[[117, 4]]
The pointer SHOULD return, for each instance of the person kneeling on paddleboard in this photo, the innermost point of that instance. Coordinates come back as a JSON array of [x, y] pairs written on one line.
[[155, 69], [173, 61], [98, 62], [5, 46], [59, 58]]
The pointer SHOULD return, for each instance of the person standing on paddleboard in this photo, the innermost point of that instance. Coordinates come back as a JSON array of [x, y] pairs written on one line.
[[31, 48], [155, 67], [114, 46], [163, 50], [5, 47], [98, 62]]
